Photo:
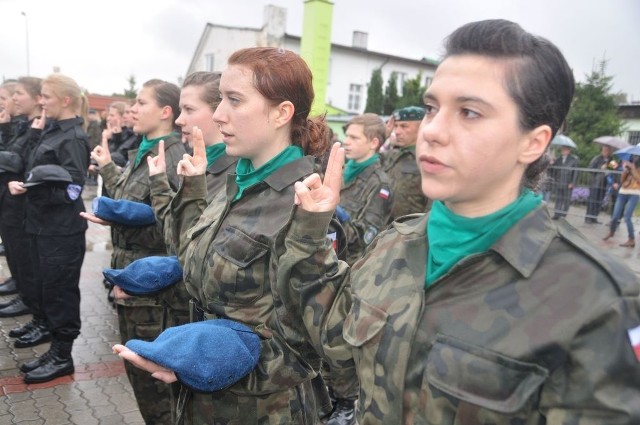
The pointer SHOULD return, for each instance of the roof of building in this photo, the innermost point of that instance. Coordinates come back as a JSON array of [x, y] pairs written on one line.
[[101, 103]]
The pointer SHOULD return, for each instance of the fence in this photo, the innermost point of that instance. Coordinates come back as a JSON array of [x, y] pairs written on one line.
[[592, 194]]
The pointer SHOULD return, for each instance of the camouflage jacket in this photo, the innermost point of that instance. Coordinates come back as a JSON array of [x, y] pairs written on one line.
[[177, 298], [534, 331], [367, 199], [132, 243], [401, 167], [229, 252], [162, 193]]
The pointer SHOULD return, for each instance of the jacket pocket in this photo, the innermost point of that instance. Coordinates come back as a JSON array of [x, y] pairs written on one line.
[[500, 388], [238, 268], [363, 329]]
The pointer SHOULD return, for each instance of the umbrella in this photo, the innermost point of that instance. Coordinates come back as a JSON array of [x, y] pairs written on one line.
[[612, 141], [562, 140], [626, 153]]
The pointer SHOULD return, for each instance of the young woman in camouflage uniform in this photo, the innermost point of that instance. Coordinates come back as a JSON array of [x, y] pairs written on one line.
[[199, 98], [154, 114], [485, 310], [229, 247]]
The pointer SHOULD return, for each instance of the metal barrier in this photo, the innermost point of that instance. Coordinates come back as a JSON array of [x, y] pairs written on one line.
[[593, 193]]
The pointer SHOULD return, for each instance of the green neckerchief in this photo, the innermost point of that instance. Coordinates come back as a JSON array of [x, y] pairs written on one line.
[[353, 168], [214, 152], [453, 237], [146, 145], [246, 176]]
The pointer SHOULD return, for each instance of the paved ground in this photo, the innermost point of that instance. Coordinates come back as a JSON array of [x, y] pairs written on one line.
[[99, 392]]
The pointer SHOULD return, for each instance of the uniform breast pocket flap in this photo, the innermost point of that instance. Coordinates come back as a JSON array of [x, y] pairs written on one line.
[[482, 377], [363, 323], [238, 248]]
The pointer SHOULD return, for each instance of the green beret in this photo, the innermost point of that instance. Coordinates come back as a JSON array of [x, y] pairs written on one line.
[[410, 113]]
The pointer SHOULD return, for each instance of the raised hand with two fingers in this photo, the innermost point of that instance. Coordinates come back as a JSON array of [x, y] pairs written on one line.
[[314, 194], [157, 164], [101, 154], [196, 164]]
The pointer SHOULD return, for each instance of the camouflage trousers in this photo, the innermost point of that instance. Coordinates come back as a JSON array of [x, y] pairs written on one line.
[[153, 396], [295, 406]]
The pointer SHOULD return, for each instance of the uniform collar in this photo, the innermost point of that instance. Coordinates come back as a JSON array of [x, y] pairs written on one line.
[[523, 246]]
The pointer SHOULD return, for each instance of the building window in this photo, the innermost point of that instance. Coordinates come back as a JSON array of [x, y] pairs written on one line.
[[634, 137], [427, 81], [208, 62], [402, 77], [355, 94]]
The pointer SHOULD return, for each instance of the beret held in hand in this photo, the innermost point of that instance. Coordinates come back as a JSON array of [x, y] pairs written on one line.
[[205, 356]]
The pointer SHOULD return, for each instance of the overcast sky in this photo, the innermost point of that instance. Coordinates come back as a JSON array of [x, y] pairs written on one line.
[[100, 44]]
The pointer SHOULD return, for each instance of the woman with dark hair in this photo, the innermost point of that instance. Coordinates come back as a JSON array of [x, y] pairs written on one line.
[[229, 247], [484, 310], [199, 98], [154, 114], [52, 221]]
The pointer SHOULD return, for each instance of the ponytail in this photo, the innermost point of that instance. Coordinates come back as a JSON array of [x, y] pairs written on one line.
[[312, 136], [84, 110]]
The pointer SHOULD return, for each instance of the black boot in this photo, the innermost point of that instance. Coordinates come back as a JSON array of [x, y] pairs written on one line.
[[344, 412], [58, 362], [15, 308], [9, 286], [38, 335], [24, 329]]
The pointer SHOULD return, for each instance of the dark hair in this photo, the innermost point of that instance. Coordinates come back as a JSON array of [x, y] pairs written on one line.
[[210, 81], [166, 94], [537, 76], [281, 75], [372, 126]]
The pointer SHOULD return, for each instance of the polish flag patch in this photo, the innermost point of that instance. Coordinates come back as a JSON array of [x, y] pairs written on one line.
[[334, 240], [384, 193], [634, 338]]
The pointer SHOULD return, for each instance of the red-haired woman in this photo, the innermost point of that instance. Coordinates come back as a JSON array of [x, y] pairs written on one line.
[[229, 247]]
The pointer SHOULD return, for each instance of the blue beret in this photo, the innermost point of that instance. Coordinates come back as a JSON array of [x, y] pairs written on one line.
[[122, 211], [206, 356], [47, 173], [146, 276], [410, 113]]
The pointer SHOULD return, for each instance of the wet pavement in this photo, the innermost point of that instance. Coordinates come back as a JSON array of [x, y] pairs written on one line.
[[99, 392]]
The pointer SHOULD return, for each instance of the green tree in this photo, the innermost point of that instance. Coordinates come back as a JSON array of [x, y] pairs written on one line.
[[594, 113], [391, 94], [412, 91], [375, 97], [131, 92]]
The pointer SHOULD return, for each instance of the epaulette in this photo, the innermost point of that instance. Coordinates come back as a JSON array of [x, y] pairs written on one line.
[[625, 280]]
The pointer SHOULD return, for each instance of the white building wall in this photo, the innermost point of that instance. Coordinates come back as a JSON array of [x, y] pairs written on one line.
[[348, 66]]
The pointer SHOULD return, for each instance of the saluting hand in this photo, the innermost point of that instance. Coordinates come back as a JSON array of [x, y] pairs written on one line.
[[39, 122], [101, 153], [157, 371], [5, 117], [195, 165], [157, 164], [316, 195]]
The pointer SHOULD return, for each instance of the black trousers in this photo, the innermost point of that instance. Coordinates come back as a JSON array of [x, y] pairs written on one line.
[[57, 262], [17, 244], [594, 202]]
